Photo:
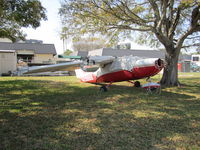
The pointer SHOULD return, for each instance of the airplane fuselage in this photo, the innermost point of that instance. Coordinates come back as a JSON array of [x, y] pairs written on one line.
[[122, 69]]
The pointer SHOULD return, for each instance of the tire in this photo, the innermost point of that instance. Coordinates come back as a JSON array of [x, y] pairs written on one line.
[[137, 84]]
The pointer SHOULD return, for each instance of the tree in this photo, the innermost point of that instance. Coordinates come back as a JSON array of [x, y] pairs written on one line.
[[123, 46], [168, 22], [16, 14], [67, 52]]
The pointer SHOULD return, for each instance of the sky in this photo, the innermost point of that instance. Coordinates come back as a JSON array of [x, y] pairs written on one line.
[[48, 32]]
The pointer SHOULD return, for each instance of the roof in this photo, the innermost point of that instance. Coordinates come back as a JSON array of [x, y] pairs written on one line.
[[79, 53], [37, 47], [7, 51], [133, 52], [185, 57], [71, 57], [82, 53], [124, 52]]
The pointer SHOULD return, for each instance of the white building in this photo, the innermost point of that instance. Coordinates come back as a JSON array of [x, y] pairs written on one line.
[[30, 53], [196, 59], [8, 61]]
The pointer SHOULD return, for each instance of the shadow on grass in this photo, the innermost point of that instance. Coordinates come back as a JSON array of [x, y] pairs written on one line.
[[57, 115]]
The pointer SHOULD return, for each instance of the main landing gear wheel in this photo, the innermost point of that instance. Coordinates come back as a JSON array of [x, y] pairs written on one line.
[[103, 89], [137, 84]]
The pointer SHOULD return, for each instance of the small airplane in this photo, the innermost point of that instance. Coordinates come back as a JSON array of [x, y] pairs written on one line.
[[109, 69]]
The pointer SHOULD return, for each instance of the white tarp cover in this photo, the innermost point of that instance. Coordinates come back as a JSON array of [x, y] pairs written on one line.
[[124, 63], [101, 60], [120, 63], [150, 84]]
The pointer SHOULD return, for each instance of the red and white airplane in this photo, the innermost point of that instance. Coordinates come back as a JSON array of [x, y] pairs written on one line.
[[110, 69]]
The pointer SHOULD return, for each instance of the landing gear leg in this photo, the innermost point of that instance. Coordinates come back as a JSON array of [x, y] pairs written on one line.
[[135, 84], [103, 89]]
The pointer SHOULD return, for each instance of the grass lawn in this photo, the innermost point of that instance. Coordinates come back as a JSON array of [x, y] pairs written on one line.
[[56, 113]]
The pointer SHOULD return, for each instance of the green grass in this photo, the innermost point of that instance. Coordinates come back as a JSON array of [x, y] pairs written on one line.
[[44, 113]]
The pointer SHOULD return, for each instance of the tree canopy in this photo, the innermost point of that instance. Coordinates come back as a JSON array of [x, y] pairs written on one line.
[[16, 14], [173, 24], [171, 19], [67, 52], [88, 43]]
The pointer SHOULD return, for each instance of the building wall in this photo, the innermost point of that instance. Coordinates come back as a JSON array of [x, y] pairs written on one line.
[[80, 53], [43, 58], [24, 52], [8, 62], [5, 40], [37, 58]]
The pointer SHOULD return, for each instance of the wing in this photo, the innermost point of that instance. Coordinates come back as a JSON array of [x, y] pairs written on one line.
[[69, 66]]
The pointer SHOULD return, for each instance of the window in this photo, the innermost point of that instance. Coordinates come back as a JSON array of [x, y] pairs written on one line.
[[25, 58], [195, 58]]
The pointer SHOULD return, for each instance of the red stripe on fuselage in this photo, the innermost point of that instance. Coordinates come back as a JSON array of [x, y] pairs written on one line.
[[124, 75], [144, 72]]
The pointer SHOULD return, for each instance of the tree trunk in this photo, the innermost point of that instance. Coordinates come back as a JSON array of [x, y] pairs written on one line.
[[170, 74]]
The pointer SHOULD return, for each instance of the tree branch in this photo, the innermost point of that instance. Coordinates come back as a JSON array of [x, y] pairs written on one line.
[[195, 16], [175, 23], [135, 15], [194, 37], [197, 28], [109, 12], [158, 23], [126, 27], [155, 9], [163, 16], [183, 37], [137, 20], [187, 46], [194, 27]]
